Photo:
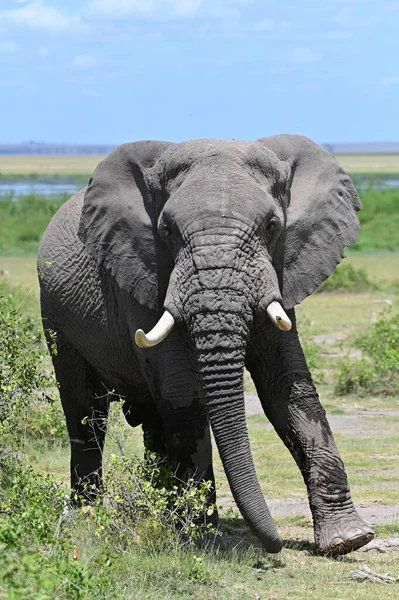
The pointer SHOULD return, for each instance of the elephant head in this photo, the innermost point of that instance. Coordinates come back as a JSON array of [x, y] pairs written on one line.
[[219, 234]]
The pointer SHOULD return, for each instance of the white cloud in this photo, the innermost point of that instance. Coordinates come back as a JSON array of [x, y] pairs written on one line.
[[265, 25], [142, 8], [37, 16], [328, 35], [303, 55], [90, 93], [83, 61], [345, 16]]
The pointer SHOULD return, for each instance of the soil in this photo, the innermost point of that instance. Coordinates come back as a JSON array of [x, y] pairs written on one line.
[[359, 422]]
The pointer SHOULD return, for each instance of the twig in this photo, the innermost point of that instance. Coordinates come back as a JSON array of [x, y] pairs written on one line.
[[364, 573]]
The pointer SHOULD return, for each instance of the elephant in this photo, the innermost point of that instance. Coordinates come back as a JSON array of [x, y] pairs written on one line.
[[207, 245]]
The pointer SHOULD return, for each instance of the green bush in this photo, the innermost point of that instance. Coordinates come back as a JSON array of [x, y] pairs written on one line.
[[23, 365], [378, 370], [37, 557], [158, 510], [26, 410], [46, 552], [143, 511], [379, 220], [347, 278]]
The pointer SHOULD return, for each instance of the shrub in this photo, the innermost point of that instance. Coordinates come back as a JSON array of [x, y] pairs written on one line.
[[37, 558], [354, 375], [148, 502], [378, 370], [379, 220], [144, 510], [22, 363], [26, 411], [347, 278]]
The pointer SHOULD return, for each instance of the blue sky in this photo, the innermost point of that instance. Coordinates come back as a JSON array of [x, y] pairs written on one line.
[[120, 70]]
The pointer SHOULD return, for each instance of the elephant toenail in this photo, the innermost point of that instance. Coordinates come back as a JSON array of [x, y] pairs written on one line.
[[355, 533]]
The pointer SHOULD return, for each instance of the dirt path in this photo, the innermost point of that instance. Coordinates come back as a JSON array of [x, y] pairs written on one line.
[[360, 422]]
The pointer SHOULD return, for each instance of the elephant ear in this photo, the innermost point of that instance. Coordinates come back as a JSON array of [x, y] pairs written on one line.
[[118, 220], [320, 216]]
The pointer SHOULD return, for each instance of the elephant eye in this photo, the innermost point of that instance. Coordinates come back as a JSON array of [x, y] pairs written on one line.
[[273, 226], [164, 230]]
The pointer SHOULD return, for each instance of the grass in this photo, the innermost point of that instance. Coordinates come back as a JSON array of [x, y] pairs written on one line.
[[379, 221], [383, 164], [240, 569], [36, 165], [74, 165], [23, 222]]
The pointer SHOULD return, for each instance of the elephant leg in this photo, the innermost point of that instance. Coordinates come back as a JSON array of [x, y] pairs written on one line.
[[183, 425], [292, 405], [85, 403]]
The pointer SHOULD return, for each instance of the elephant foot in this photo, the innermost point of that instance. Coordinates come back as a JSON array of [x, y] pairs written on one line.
[[343, 535]]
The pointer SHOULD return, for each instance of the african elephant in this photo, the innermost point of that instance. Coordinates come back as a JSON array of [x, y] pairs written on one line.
[[203, 243]]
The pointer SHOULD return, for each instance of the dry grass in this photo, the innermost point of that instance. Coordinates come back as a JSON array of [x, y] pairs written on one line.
[[369, 163], [64, 164], [48, 164]]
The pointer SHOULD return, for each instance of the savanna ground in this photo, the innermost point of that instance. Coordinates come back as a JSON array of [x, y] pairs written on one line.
[[85, 556], [35, 165]]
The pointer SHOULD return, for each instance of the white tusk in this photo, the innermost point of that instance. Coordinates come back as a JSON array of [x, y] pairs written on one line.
[[157, 333], [277, 314]]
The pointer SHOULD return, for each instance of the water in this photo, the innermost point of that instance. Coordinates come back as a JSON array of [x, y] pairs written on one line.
[[69, 185], [375, 182], [24, 187]]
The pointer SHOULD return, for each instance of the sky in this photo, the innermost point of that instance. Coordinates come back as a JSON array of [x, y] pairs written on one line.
[[113, 71]]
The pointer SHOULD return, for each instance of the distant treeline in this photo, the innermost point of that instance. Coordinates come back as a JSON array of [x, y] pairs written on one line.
[[41, 148], [81, 149]]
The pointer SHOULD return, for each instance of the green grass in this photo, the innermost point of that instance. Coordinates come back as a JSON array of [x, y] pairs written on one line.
[[239, 569], [379, 221], [23, 221], [83, 563]]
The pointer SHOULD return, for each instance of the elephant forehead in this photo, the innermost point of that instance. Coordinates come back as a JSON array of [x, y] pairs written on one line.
[[185, 154]]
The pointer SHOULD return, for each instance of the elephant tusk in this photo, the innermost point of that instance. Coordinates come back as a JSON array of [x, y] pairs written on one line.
[[278, 315], [157, 333]]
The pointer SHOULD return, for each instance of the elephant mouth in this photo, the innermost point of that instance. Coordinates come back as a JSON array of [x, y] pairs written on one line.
[[166, 323]]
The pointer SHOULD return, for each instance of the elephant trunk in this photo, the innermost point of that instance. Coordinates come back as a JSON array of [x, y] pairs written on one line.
[[220, 356], [220, 281]]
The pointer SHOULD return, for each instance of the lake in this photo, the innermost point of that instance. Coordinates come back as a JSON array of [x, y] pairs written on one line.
[[40, 186], [43, 186]]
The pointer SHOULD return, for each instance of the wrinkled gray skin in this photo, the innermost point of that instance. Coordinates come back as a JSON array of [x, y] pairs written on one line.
[[212, 231]]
